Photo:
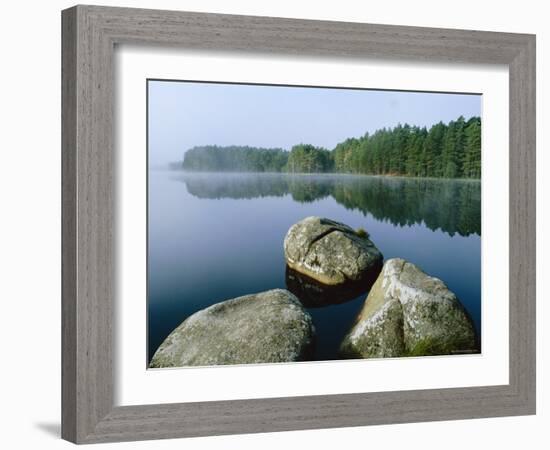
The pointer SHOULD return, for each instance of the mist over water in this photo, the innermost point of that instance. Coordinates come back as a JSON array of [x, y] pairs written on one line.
[[216, 236]]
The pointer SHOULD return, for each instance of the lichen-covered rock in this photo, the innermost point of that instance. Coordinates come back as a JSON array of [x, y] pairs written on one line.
[[330, 252], [378, 333], [408, 313], [267, 327]]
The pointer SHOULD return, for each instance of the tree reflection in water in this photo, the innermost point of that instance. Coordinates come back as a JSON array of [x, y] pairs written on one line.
[[453, 206]]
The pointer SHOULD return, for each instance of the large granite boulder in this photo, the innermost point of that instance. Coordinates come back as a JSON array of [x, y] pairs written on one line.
[[408, 313], [267, 327], [331, 252]]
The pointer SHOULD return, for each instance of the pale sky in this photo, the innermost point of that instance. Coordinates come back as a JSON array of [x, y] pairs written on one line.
[[187, 114]]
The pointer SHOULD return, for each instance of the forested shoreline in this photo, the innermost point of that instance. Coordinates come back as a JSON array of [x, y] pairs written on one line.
[[451, 150]]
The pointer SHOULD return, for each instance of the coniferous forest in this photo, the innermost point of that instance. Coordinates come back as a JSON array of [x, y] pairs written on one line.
[[451, 150]]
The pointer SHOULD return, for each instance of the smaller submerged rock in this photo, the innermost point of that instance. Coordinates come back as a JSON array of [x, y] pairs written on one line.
[[409, 313], [267, 327], [331, 252]]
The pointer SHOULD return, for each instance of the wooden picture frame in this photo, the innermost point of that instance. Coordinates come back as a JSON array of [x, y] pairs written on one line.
[[89, 35]]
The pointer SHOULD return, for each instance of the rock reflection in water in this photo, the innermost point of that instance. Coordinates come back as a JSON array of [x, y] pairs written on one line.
[[313, 294]]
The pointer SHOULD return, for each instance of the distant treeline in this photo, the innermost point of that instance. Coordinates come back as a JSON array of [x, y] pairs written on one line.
[[450, 150], [235, 159]]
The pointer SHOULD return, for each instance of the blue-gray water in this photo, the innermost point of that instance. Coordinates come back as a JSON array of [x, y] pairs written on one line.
[[212, 237]]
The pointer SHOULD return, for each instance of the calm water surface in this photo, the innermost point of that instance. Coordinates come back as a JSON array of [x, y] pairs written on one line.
[[216, 236]]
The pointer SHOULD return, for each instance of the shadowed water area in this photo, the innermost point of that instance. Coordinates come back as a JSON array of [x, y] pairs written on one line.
[[216, 236]]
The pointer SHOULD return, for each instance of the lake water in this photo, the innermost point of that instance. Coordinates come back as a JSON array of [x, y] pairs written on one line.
[[216, 236]]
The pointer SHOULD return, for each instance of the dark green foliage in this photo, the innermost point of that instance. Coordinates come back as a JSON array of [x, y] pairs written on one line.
[[235, 159], [305, 158], [446, 151], [471, 162]]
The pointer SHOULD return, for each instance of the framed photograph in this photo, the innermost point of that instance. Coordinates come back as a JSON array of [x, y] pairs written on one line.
[[277, 224]]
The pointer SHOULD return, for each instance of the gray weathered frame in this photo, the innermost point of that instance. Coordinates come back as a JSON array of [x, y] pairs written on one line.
[[89, 34]]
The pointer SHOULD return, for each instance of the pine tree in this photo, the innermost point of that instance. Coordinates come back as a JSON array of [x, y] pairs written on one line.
[[460, 140], [448, 156], [472, 152]]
